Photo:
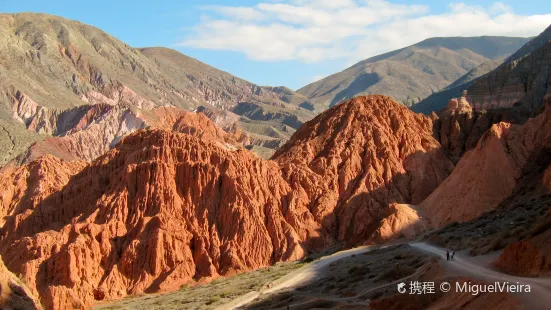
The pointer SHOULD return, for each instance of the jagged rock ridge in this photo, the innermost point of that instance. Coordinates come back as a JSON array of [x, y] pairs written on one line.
[[489, 173]]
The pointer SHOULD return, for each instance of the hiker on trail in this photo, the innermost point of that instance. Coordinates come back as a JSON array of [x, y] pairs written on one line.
[[453, 254], [447, 254]]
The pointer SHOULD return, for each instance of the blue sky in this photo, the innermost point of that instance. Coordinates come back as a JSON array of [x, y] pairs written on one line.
[[293, 42]]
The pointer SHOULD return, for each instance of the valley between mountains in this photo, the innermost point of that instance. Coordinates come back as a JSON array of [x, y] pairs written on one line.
[[133, 172]]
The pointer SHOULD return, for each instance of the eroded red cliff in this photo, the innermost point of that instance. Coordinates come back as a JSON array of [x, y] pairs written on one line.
[[164, 208], [489, 173], [359, 157]]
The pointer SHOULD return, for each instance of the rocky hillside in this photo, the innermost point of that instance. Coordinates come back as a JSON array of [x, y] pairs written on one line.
[[458, 127], [162, 209], [50, 67], [490, 172], [521, 81], [364, 154], [523, 84], [411, 74], [97, 128]]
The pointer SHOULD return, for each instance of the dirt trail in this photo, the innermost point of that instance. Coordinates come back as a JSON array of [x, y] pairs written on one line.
[[303, 275], [538, 298]]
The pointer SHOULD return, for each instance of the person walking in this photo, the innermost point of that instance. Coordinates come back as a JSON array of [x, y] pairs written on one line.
[[453, 254], [447, 254]]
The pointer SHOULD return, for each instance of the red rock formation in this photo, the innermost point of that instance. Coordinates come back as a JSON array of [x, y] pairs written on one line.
[[24, 187], [163, 208], [488, 174], [459, 104], [459, 131], [404, 221], [357, 158], [14, 295], [159, 210]]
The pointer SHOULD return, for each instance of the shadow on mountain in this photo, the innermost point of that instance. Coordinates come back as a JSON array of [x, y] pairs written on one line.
[[514, 219], [359, 85], [387, 212]]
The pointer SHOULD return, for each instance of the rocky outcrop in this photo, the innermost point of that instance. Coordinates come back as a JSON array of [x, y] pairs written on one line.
[[459, 105], [357, 158], [404, 221], [153, 214], [14, 295], [24, 187], [162, 209], [489, 173], [459, 131]]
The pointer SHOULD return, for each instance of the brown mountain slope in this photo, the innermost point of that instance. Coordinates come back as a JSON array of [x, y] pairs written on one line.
[[50, 66], [412, 73], [522, 82], [162, 209], [14, 294]]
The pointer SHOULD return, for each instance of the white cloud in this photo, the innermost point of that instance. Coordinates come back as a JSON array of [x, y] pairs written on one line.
[[239, 12], [318, 30]]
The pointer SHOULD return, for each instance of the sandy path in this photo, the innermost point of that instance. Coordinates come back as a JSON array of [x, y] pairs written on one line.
[[301, 276], [538, 298]]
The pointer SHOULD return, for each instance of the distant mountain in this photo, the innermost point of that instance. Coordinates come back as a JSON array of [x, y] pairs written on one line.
[[50, 65], [411, 74], [521, 81], [532, 45], [475, 73], [438, 100]]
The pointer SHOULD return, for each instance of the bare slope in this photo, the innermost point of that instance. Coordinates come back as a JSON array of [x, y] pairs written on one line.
[[50, 65], [522, 82], [412, 73]]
